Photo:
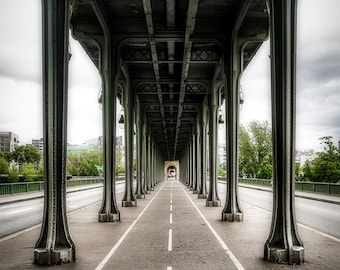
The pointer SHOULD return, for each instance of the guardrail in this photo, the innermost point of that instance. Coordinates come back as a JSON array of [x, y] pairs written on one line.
[[12, 188], [315, 187]]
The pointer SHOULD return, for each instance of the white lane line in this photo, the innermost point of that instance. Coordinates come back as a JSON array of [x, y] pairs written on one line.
[[170, 240], [18, 211], [122, 238], [219, 239], [169, 268], [170, 200], [170, 218], [170, 207]]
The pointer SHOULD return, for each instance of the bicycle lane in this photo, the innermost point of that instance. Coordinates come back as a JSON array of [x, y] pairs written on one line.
[[170, 233]]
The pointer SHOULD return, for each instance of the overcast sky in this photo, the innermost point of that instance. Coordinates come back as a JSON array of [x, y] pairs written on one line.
[[318, 77]]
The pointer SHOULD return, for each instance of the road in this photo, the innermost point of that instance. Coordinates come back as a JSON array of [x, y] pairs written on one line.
[[18, 216], [324, 217]]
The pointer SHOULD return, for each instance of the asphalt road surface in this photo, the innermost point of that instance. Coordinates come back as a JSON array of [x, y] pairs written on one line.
[[18, 216]]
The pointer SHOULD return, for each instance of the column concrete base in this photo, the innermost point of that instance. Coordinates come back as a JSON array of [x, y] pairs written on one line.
[[140, 196], [195, 192], [129, 203], [202, 196], [232, 217], [58, 256], [213, 203], [108, 217], [283, 256]]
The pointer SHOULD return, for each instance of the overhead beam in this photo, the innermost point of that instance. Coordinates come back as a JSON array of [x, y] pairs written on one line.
[[190, 26]]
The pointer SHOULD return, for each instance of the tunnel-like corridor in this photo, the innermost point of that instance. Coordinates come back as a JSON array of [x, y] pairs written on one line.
[[171, 64]]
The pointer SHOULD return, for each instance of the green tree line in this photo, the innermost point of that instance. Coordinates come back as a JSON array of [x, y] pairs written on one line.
[[255, 156], [25, 164]]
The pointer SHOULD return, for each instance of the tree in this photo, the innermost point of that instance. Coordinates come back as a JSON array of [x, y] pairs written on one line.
[[28, 172], [326, 167], [26, 154], [255, 150], [4, 166], [84, 164]]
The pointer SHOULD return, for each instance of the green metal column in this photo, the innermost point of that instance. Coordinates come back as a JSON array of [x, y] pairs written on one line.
[[213, 199], [108, 211], [197, 156], [202, 193], [129, 199], [55, 245], [283, 244], [140, 194]]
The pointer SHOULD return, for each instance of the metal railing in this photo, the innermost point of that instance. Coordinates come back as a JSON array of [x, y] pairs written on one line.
[[20, 187], [315, 187]]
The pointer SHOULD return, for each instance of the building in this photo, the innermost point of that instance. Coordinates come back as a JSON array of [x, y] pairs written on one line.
[[8, 141], [39, 144], [303, 157]]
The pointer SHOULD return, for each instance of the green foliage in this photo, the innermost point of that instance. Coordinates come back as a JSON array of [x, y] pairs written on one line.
[[6, 155], [221, 171], [326, 167], [26, 154], [4, 166], [255, 150], [265, 171], [13, 174], [28, 172], [120, 170], [84, 163]]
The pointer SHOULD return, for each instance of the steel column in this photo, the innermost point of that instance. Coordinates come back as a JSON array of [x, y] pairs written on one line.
[[129, 199], [202, 193], [283, 244], [232, 209], [196, 157], [140, 194], [213, 199], [55, 245]]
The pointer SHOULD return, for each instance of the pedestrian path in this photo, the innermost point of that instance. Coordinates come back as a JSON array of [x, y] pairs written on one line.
[[170, 229]]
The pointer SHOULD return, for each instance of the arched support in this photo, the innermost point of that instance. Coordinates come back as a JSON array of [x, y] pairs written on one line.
[[202, 192], [55, 245], [129, 199], [283, 244], [213, 199]]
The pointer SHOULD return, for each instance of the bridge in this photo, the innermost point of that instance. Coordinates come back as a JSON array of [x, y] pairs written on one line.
[[171, 64]]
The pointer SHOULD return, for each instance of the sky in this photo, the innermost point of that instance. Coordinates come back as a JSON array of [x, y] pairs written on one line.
[[318, 77]]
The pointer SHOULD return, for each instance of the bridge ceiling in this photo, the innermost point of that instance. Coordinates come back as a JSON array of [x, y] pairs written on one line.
[[171, 51]]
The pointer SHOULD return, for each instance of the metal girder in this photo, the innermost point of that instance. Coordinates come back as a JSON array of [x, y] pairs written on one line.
[[190, 26]]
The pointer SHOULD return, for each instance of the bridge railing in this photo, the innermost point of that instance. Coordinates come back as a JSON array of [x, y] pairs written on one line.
[[322, 188], [20, 187]]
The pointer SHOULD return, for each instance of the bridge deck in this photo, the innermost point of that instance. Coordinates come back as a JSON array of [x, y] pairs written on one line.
[[171, 229]]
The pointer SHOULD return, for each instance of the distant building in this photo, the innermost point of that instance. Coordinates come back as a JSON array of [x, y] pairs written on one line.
[[305, 156], [8, 141], [94, 144], [39, 144]]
